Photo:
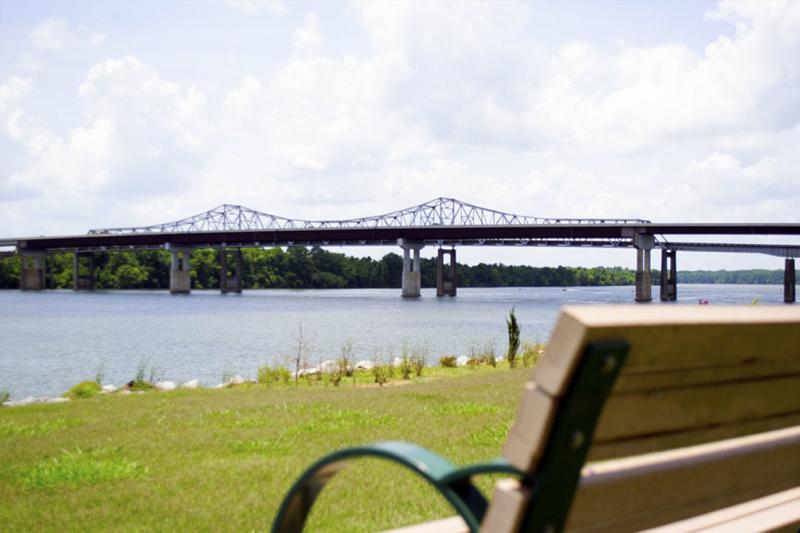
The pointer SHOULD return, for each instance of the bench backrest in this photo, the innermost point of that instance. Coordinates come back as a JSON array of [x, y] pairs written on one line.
[[692, 376]]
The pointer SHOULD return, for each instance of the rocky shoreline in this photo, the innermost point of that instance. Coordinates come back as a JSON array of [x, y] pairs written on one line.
[[167, 385]]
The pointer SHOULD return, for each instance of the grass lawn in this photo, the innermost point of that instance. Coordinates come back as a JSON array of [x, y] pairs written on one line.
[[223, 459]]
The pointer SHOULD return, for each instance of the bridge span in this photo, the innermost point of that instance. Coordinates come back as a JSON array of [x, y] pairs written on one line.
[[442, 222]]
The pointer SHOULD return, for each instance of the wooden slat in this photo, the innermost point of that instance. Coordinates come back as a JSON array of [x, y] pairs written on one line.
[[642, 380], [692, 375], [509, 501], [672, 410], [453, 524], [667, 441], [672, 337], [776, 512], [645, 491], [528, 436]]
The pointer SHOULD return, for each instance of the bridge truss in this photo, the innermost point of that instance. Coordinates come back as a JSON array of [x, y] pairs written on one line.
[[437, 212]]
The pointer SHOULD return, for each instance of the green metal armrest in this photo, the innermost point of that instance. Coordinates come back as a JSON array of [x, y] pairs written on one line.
[[453, 483]]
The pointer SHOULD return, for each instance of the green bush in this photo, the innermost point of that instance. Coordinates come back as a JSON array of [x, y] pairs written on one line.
[[447, 361], [4, 396], [84, 389]]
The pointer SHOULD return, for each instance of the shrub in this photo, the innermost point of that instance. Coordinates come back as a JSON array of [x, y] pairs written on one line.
[[344, 365], [84, 389], [268, 375], [381, 372], [486, 355], [418, 364], [513, 338], [448, 361], [406, 367], [4, 396], [531, 353], [139, 383]]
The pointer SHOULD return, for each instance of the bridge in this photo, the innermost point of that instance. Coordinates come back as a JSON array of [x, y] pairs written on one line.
[[442, 222]]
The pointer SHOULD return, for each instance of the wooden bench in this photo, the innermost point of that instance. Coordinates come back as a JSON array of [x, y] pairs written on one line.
[[673, 417]]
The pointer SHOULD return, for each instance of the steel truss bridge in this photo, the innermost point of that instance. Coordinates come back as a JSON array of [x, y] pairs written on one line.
[[439, 222]]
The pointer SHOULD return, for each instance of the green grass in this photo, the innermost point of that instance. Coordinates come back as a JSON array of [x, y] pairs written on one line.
[[223, 459]]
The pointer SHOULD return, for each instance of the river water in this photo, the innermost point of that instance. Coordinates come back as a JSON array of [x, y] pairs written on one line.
[[51, 340]]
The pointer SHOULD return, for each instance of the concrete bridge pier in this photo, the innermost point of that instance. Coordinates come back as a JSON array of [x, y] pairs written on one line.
[[446, 284], [32, 271], [83, 282], [669, 275], [644, 285], [789, 281], [180, 271], [230, 281], [412, 277]]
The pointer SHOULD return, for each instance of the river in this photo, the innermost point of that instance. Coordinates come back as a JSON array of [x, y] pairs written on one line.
[[51, 340]]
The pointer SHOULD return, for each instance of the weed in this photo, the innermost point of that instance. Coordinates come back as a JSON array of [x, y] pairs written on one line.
[[4, 395], [81, 468], [492, 436], [9, 428], [84, 389], [531, 353], [100, 374], [268, 448], [301, 352], [465, 409]]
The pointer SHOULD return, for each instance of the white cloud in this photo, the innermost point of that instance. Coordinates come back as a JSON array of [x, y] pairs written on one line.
[[308, 38], [55, 34], [12, 91], [254, 7], [447, 100]]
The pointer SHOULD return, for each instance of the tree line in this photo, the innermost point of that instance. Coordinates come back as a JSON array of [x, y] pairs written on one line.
[[303, 268]]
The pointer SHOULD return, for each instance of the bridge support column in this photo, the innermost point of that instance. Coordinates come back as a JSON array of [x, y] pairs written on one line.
[[32, 271], [644, 286], [83, 282], [412, 277], [446, 279], [180, 271], [230, 281], [789, 282], [669, 275]]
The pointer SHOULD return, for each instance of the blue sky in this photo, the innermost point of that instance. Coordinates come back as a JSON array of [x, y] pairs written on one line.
[[126, 113]]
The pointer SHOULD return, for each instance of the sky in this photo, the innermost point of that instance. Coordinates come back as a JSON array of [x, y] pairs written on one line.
[[136, 113]]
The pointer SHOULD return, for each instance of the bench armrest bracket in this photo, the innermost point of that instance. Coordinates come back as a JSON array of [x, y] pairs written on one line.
[[453, 483]]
